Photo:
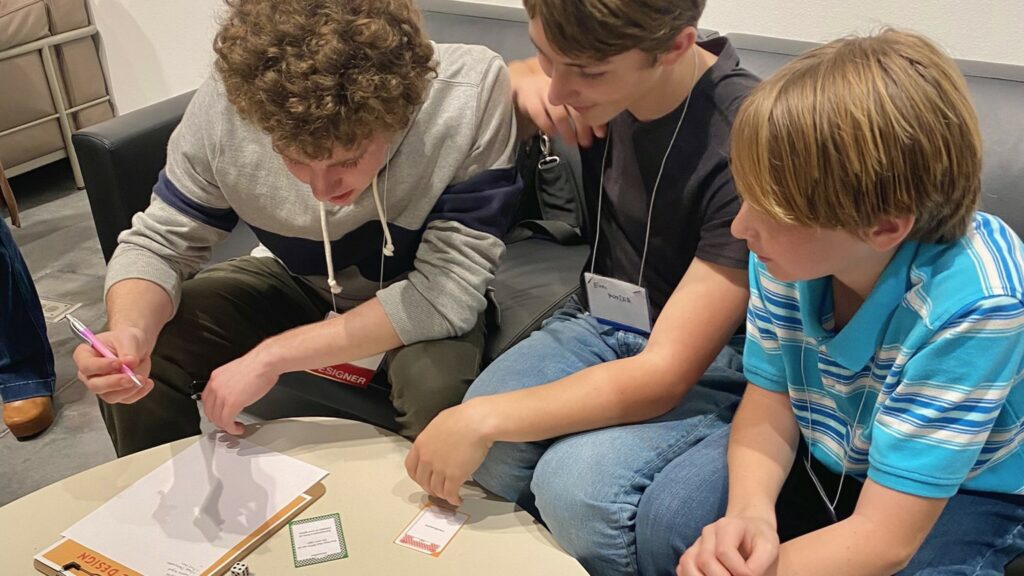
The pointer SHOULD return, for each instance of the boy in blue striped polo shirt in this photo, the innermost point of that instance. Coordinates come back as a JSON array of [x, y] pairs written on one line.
[[885, 336]]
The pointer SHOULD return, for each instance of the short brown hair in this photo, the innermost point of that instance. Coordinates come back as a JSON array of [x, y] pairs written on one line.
[[860, 129], [318, 73], [596, 30]]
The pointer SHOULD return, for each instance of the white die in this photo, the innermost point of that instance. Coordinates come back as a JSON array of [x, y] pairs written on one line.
[[239, 569]]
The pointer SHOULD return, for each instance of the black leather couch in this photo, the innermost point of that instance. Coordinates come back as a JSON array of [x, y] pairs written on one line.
[[120, 160]]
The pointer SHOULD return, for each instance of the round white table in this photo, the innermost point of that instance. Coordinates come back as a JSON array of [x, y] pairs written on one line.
[[367, 486]]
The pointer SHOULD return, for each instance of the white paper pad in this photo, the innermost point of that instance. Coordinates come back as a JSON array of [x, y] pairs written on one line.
[[432, 530], [185, 515]]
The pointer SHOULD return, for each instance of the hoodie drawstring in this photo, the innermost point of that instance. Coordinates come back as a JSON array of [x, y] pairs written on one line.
[[335, 289], [388, 249]]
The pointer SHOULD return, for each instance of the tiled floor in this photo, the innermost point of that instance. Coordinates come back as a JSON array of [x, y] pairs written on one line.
[[58, 240], [59, 243]]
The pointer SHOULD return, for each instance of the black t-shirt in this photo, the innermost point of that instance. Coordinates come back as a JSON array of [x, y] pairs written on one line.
[[696, 200]]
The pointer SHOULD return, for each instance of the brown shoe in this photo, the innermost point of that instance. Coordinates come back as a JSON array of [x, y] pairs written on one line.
[[28, 418]]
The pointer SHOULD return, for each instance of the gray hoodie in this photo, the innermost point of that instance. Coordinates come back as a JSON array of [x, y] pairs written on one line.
[[448, 195]]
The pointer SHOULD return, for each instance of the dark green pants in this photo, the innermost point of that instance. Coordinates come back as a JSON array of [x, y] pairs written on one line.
[[227, 310]]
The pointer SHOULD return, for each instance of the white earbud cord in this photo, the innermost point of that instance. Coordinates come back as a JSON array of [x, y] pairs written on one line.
[[831, 503], [650, 209], [388, 249], [657, 181]]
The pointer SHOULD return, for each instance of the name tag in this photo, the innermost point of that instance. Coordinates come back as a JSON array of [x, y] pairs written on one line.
[[357, 373], [618, 304]]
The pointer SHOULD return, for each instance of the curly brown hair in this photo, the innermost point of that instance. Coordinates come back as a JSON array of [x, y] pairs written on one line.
[[315, 74]]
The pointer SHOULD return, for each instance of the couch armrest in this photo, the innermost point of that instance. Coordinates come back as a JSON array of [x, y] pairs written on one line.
[[121, 160]]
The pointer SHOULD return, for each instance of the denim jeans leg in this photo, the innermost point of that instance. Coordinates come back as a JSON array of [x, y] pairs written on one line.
[[688, 494], [26, 360], [568, 342], [589, 486], [976, 534]]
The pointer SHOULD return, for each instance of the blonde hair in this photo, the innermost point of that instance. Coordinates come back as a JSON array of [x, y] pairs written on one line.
[[596, 30], [314, 74], [860, 129]]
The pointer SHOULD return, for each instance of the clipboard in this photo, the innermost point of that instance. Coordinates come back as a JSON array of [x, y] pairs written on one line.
[[65, 551]]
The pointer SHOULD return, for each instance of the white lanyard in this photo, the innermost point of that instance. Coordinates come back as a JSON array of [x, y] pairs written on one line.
[[388, 249], [657, 181], [810, 437]]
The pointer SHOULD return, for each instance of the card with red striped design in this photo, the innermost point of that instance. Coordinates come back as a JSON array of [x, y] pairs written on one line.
[[432, 530]]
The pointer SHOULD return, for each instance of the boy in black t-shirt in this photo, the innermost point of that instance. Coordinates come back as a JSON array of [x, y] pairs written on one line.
[[575, 421]]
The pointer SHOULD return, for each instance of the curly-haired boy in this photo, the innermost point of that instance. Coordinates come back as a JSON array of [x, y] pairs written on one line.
[[373, 166]]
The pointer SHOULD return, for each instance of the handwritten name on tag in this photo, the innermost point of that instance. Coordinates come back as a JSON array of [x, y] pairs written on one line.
[[618, 304]]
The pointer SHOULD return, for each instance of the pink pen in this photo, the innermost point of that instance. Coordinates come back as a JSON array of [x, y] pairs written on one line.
[[86, 335]]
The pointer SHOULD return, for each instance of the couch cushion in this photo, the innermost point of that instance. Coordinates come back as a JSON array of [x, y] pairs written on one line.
[[21, 22], [24, 91], [92, 115], [25, 97], [536, 277], [80, 72], [67, 15], [31, 143]]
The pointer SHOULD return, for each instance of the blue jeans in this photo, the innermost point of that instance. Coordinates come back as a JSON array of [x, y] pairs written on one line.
[[26, 361], [976, 534], [586, 487]]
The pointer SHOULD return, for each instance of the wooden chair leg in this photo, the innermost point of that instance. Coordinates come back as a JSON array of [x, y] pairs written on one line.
[[7, 198]]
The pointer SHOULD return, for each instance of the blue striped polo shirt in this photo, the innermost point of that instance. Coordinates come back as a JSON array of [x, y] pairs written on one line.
[[921, 391]]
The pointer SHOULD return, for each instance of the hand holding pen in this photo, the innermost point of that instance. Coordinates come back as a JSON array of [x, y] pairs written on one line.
[[109, 373]]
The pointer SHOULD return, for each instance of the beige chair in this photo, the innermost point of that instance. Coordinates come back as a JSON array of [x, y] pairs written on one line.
[[7, 198], [51, 82]]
